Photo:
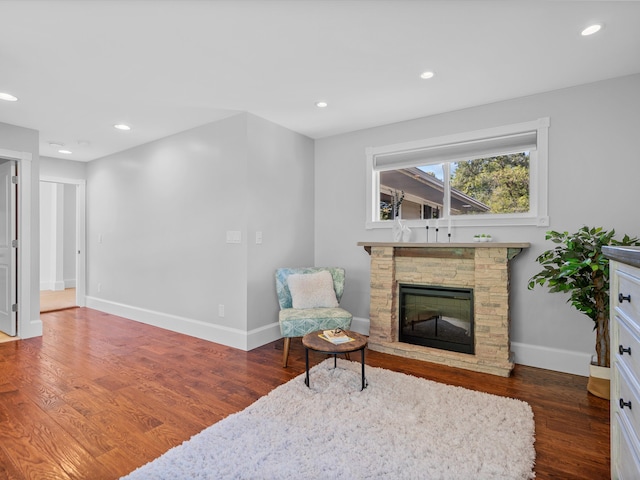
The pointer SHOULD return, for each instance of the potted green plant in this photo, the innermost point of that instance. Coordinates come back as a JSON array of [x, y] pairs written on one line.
[[578, 267]]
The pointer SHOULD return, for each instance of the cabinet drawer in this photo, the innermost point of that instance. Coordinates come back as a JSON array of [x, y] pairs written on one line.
[[629, 288], [626, 464], [627, 393], [627, 350]]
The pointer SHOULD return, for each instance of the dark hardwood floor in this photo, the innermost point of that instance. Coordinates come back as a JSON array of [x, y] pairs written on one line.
[[97, 396]]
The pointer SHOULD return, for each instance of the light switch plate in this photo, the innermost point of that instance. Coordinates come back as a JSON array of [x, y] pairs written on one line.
[[234, 236]]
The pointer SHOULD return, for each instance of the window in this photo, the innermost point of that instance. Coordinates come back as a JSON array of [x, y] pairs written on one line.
[[496, 176]]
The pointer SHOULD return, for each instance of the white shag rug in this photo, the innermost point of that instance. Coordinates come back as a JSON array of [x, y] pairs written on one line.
[[399, 427]]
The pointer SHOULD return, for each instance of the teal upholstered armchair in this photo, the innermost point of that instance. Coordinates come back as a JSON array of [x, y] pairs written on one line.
[[309, 301]]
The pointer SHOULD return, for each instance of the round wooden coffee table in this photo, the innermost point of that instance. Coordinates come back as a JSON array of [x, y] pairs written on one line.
[[312, 341]]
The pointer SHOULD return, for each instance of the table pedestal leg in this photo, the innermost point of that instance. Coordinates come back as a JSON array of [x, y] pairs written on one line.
[[306, 363], [364, 380]]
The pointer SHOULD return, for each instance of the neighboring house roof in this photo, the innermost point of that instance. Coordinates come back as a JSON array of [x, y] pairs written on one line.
[[414, 181]]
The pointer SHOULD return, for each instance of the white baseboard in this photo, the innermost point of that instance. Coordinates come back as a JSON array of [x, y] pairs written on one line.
[[263, 335], [30, 329], [231, 337], [57, 285], [576, 363], [566, 361]]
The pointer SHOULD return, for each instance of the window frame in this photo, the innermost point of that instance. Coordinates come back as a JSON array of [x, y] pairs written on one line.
[[538, 176]]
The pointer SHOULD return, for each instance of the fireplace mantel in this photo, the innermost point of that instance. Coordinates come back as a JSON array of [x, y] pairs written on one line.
[[510, 245], [481, 266]]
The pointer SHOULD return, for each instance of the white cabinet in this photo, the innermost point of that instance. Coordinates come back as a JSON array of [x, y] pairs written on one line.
[[625, 361]]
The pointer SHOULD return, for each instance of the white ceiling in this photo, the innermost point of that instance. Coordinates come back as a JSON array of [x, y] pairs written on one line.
[[166, 66]]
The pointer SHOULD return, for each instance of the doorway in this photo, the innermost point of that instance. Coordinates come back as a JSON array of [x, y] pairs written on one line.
[[62, 240], [27, 326], [8, 246]]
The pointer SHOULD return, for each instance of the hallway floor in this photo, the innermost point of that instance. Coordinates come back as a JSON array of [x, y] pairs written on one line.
[[6, 338], [53, 300]]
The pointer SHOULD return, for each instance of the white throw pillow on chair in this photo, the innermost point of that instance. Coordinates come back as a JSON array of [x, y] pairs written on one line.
[[312, 290]]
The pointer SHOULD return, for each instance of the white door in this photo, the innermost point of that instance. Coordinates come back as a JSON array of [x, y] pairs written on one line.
[[7, 251]]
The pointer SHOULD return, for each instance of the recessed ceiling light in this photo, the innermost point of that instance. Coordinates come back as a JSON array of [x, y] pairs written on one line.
[[56, 144], [122, 126], [426, 75], [591, 29], [66, 152], [322, 104], [8, 97]]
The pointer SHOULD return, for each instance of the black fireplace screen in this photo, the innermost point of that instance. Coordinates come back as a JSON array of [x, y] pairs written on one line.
[[438, 317]]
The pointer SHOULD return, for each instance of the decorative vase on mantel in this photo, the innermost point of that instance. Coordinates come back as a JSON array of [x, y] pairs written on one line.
[[400, 232], [396, 230], [406, 233]]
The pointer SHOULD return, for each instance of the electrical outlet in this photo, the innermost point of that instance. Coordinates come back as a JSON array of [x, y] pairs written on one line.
[[99, 287], [221, 310]]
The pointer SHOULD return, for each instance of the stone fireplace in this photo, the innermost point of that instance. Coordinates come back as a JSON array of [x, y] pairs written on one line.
[[482, 268]]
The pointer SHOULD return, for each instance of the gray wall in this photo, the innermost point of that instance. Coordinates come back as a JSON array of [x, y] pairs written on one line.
[[158, 217], [60, 168], [593, 180], [47, 234], [61, 273], [69, 247], [280, 181]]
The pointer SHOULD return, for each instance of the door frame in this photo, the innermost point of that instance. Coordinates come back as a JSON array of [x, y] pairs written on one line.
[[81, 260], [27, 326], [9, 317]]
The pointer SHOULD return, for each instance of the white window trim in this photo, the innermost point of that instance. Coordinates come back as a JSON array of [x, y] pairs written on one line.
[[538, 177]]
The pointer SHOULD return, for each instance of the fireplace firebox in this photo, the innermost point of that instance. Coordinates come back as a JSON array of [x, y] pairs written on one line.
[[438, 317]]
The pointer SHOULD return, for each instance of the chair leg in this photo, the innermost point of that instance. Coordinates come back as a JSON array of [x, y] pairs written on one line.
[[287, 344]]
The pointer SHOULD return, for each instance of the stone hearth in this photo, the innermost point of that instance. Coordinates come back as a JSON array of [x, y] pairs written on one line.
[[484, 267]]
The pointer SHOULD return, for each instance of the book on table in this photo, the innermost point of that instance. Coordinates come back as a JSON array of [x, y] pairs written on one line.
[[336, 337]]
